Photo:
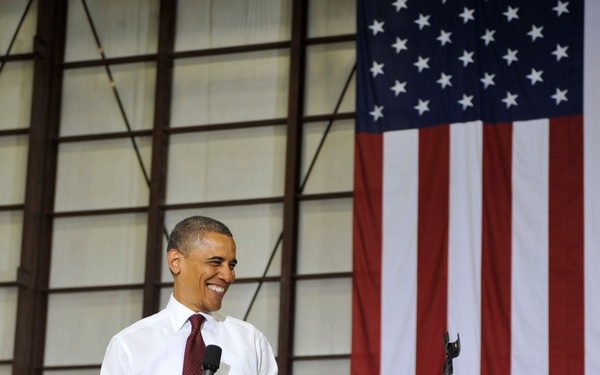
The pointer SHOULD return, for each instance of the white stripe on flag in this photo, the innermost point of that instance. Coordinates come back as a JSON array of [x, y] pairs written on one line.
[[529, 303], [399, 253], [464, 244], [591, 140]]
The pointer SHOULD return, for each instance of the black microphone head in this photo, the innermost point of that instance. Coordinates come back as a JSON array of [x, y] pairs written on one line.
[[212, 358]]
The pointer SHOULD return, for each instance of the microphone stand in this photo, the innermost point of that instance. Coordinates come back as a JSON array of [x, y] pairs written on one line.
[[452, 351]]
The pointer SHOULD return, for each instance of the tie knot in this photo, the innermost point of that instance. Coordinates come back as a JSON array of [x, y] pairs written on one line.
[[196, 320]]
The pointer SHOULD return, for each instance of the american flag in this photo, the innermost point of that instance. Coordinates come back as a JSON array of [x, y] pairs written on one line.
[[477, 197]]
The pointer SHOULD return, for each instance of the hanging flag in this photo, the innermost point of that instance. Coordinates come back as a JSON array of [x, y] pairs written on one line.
[[476, 193]]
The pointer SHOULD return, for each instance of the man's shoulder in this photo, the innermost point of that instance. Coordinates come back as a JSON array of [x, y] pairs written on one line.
[[232, 322], [147, 323]]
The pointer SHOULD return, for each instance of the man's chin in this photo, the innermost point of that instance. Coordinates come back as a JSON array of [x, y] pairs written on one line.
[[214, 307]]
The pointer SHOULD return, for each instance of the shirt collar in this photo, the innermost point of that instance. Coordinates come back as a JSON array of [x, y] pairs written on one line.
[[179, 314]]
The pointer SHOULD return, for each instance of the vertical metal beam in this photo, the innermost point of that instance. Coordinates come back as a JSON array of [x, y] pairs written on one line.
[[162, 113], [292, 183], [34, 269]]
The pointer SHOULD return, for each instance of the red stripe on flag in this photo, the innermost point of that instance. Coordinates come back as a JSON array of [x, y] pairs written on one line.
[[496, 249], [566, 274], [432, 264], [367, 234]]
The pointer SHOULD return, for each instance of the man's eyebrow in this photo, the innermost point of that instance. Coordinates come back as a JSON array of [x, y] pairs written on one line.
[[221, 259]]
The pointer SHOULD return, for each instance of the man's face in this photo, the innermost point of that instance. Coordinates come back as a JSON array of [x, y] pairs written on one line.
[[203, 277]]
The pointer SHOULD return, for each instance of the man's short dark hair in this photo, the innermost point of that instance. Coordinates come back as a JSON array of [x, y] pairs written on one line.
[[190, 232]]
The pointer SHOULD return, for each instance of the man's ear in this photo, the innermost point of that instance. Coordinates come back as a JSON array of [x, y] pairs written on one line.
[[174, 261]]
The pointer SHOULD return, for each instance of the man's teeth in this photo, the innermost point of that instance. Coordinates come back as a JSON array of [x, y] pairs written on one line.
[[218, 289]]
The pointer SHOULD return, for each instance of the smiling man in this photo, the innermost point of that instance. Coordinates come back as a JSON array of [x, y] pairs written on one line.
[[201, 255]]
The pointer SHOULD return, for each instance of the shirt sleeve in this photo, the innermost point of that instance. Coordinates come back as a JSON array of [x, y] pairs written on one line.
[[266, 359], [117, 359]]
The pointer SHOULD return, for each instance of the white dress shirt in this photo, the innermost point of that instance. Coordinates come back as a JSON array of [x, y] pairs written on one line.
[[156, 345]]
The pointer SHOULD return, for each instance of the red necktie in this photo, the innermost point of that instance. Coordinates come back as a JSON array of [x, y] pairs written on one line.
[[194, 347]]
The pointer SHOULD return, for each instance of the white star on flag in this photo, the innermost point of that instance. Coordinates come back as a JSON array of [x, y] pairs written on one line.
[[399, 87], [488, 80], [488, 37], [444, 38], [466, 58], [466, 101], [511, 13], [536, 32], [560, 52], [422, 21], [535, 76], [444, 80], [377, 27], [467, 15], [561, 8], [422, 107], [377, 69], [377, 112], [400, 45], [422, 63], [399, 4], [560, 96], [511, 99], [511, 56]]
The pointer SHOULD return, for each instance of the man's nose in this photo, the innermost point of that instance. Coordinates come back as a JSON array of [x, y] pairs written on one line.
[[227, 275]]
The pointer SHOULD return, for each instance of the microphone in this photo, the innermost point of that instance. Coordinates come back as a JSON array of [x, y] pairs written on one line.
[[211, 360], [452, 351]]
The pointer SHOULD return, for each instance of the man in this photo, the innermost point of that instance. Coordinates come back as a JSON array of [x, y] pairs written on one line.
[[201, 257]]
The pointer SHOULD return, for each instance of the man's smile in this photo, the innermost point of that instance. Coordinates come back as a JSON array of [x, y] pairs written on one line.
[[216, 288]]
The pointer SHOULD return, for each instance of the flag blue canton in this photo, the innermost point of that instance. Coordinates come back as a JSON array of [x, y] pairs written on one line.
[[428, 62]]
